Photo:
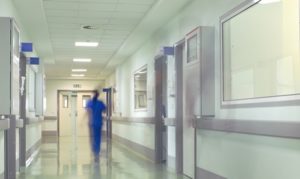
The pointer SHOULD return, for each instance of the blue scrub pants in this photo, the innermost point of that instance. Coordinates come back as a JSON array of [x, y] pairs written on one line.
[[95, 137]]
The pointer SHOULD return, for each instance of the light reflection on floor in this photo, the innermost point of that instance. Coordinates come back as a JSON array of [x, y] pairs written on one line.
[[72, 159]]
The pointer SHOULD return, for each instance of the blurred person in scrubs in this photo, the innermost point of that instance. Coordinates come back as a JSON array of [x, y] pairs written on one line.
[[95, 108]]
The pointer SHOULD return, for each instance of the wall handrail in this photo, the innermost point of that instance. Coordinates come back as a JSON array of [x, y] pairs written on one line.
[[252, 127], [50, 118], [4, 124], [147, 120], [19, 123], [34, 120]]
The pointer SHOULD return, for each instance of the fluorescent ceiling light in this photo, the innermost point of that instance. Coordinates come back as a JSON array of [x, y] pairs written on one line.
[[77, 75], [268, 1], [79, 70], [86, 44], [86, 60]]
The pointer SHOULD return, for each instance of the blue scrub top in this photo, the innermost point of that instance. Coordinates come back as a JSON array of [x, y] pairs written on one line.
[[97, 107]]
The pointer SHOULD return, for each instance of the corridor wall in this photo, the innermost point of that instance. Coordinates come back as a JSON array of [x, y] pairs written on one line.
[[230, 155], [7, 9], [141, 136]]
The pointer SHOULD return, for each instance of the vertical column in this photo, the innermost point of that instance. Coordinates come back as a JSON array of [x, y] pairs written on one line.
[[22, 131], [179, 53], [158, 110], [108, 112]]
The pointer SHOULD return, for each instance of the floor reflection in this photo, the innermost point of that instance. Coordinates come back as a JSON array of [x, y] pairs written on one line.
[[72, 159]]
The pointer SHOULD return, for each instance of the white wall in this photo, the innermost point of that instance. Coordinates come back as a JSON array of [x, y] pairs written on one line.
[[33, 134], [233, 156], [142, 134]]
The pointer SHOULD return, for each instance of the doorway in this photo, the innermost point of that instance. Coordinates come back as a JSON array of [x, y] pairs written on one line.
[[161, 146], [166, 107], [73, 118], [191, 101], [169, 108]]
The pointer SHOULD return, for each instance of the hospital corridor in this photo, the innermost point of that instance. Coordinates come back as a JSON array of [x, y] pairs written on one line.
[[149, 89]]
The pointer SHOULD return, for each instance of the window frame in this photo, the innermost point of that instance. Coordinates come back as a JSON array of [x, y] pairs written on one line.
[[279, 100], [134, 89]]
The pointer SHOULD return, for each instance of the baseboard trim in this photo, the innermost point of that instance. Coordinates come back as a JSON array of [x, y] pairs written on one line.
[[49, 133], [32, 152], [145, 151], [205, 174]]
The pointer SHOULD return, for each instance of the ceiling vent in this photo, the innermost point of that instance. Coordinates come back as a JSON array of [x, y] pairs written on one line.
[[89, 27]]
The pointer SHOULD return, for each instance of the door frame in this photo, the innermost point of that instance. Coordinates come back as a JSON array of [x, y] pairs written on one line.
[[159, 125], [58, 104], [179, 57], [108, 91]]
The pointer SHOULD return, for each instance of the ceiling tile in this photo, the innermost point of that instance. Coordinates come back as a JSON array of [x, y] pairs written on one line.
[[138, 1], [64, 5], [74, 20], [141, 8], [114, 20], [128, 15], [61, 13], [97, 6], [95, 14]]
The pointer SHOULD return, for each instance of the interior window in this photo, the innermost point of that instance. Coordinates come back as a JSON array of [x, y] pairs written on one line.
[[140, 88], [260, 51]]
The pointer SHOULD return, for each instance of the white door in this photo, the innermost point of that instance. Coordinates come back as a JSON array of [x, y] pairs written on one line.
[[191, 104], [74, 115], [82, 116], [65, 123]]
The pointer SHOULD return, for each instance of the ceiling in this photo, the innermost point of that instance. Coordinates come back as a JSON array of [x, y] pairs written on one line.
[[55, 25]]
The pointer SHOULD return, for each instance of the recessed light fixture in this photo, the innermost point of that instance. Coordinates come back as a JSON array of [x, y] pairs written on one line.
[[82, 60], [86, 44], [77, 75], [79, 70], [268, 1]]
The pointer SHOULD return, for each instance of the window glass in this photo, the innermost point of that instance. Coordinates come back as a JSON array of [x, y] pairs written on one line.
[[65, 101], [140, 89], [31, 89], [261, 51], [85, 99]]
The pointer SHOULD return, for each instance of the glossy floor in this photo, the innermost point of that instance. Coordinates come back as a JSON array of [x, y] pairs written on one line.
[[71, 159]]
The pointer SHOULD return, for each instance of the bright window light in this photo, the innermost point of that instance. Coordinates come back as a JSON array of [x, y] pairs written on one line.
[[84, 60], [77, 75], [268, 1], [79, 70], [86, 44]]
